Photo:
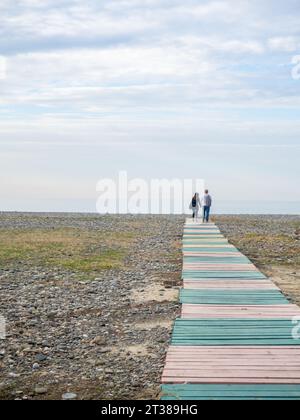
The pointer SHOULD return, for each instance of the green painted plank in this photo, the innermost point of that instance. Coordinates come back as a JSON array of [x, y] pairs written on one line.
[[232, 297], [221, 241], [205, 241], [218, 279], [235, 334], [230, 333], [233, 302], [237, 342], [204, 234], [224, 274], [230, 398], [211, 250], [246, 302], [230, 392]]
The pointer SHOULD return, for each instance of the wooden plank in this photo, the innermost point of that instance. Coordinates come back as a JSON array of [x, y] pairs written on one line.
[[230, 391], [219, 267], [207, 333], [210, 248], [189, 275], [233, 297], [216, 257], [231, 284], [200, 280], [244, 311]]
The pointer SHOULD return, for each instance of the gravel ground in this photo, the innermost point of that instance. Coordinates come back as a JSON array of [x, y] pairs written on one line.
[[104, 335], [98, 338]]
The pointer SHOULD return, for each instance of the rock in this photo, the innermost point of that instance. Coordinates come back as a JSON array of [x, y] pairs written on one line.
[[39, 390], [68, 396], [19, 393], [98, 341], [14, 375], [35, 366], [41, 357], [104, 350]]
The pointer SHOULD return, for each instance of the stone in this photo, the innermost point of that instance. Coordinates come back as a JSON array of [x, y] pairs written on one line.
[[39, 390], [41, 357], [68, 396]]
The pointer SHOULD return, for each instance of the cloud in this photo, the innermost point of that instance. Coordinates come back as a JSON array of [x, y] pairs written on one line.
[[284, 44], [3, 67], [133, 75]]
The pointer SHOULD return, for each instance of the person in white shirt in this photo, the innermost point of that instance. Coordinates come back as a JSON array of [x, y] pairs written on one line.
[[195, 206], [207, 203]]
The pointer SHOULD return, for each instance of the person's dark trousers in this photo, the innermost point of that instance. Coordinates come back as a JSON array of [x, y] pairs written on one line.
[[206, 213]]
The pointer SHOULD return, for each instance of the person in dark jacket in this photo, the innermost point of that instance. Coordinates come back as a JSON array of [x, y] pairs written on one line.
[[195, 206]]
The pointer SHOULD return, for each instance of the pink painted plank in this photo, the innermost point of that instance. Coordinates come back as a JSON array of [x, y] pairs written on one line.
[[245, 312], [275, 372], [208, 246], [228, 380], [269, 349]]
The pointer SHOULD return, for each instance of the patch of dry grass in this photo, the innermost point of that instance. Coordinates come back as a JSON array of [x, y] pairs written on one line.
[[267, 249], [73, 249]]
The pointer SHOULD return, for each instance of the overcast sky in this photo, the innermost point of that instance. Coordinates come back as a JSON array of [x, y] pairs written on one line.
[[160, 88]]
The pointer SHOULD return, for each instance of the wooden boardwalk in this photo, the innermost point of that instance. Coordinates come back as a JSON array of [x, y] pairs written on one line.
[[234, 340]]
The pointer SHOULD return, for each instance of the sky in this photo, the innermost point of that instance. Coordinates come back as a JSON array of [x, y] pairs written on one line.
[[158, 88]]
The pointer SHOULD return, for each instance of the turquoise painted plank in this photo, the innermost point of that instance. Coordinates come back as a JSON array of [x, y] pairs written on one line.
[[194, 333], [217, 279], [211, 250], [231, 297], [235, 334], [205, 241], [233, 302], [246, 302], [237, 342], [216, 233], [222, 326], [219, 274], [230, 392], [229, 260], [230, 398], [234, 297]]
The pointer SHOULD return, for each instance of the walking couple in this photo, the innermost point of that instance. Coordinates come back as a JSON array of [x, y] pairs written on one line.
[[197, 204]]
